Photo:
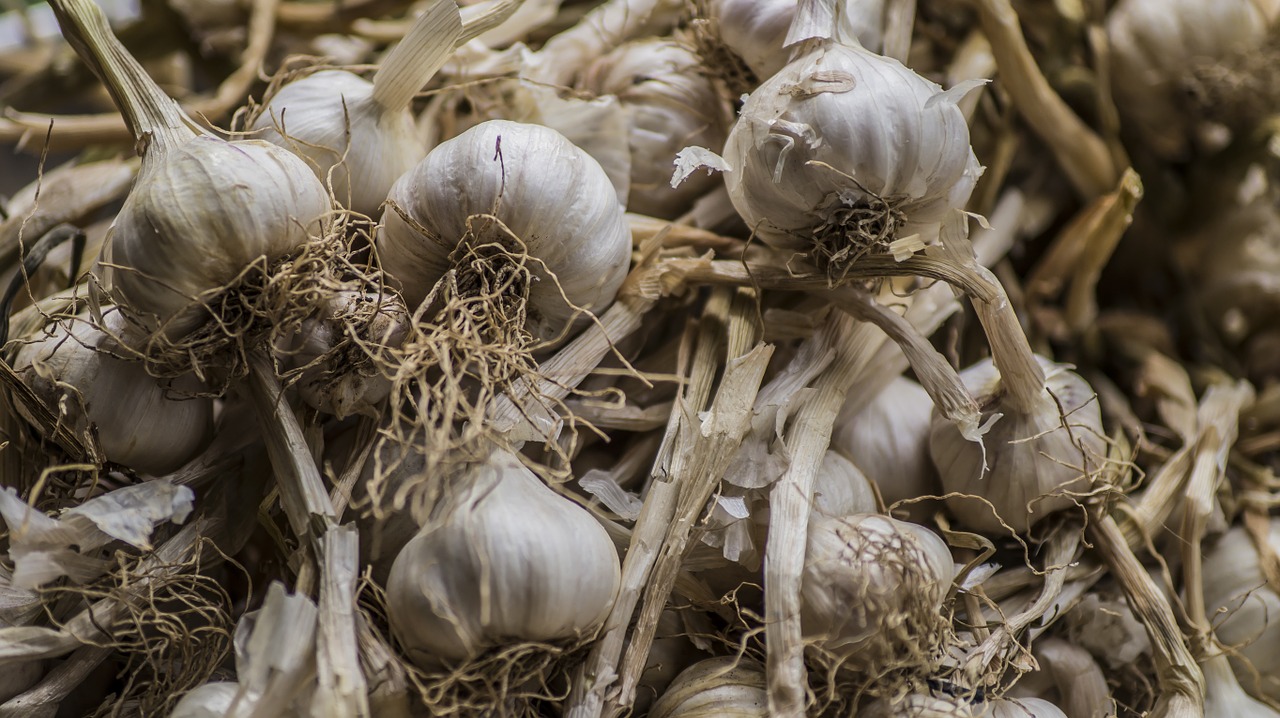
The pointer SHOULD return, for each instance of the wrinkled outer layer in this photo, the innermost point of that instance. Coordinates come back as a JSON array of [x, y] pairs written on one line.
[[548, 192], [882, 129]]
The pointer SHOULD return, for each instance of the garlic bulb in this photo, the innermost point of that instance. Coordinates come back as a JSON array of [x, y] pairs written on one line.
[[202, 209], [1044, 446], [872, 590], [1239, 270], [1244, 609], [671, 104], [756, 30], [843, 151], [211, 700], [508, 561], [840, 489], [76, 368], [357, 134], [540, 188], [945, 706], [725, 687]]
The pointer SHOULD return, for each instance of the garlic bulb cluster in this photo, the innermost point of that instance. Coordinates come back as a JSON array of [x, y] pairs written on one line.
[[724, 687], [756, 30], [872, 590], [1042, 448], [1244, 609], [919, 705], [508, 561], [505, 182], [78, 369], [843, 151], [671, 104], [202, 209], [360, 135]]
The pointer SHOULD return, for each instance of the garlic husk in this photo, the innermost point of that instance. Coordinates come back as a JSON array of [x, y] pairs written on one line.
[[889, 441], [1155, 42], [1034, 456], [872, 591], [508, 561], [939, 706], [77, 368], [840, 489], [757, 30], [671, 104], [202, 209], [357, 134], [724, 687], [1244, 609], [843, 151], [541, 188]]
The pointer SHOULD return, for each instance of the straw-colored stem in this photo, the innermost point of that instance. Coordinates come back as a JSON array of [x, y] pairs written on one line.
[[412, 63], [340, 684]]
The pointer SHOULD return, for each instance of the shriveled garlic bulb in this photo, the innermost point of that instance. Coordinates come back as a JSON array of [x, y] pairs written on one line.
[[202, 209], [844, 151], [1045, 445], [76, 368], [756, 30], [945, 706], [873, 589], [1244, 609], [503, 180], [725, 687], [671, 105], [509, 560], [357, 134]]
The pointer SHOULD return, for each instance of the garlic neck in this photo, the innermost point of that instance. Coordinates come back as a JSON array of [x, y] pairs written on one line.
[[422, 52]]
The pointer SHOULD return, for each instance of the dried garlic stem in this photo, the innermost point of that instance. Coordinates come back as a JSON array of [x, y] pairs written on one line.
[[899, 21], [45, 697], [416, 59], [340, 685], [604, 28]]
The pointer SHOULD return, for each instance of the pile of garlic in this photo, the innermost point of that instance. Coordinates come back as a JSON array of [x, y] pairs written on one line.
[[643, 357]]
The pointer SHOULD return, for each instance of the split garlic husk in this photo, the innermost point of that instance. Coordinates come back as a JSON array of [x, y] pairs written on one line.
[[526, 188], [84, 374], [844, 151], [507, 561], [202, 209], [1244, 608], [725, 687], [671, 104], [356, 134], [873, 589]]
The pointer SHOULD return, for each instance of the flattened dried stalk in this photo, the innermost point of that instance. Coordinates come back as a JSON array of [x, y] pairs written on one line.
[[340, 691]]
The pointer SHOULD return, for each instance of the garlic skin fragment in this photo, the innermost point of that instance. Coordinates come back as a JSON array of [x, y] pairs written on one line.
[[1244, 609], [139, 423], [509, 561], [872, 590], [1033, 458], [723, 687], [546, 191], [842, 137]]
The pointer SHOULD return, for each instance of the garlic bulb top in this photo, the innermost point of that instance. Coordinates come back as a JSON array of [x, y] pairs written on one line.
[[756, 30], [202, 209], [1034, 456], [724, 687], [542, 189], [508, 561], [1244, 609], [671, 104], [873, 589], [139, 423], [359, 134], [844, 149]]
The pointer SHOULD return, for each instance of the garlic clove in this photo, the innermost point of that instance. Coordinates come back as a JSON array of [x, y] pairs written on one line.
[[724, 687]]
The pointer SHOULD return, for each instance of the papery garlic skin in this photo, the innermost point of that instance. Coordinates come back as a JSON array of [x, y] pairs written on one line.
[[671, 105], [889, 441], [1033, 460], [841, 129], [330, 119], [509, 561], [1244, 609], [547, 192], [724, 687], [872, 590], [138, 422]]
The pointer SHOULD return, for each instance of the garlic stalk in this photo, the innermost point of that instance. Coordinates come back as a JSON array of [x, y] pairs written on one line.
[[83, 374], [527, 189], [725, 687], [872, 591], [1244, 607], [671, 104], [202, 209], [360, 135], [506, 561], [844, 151]]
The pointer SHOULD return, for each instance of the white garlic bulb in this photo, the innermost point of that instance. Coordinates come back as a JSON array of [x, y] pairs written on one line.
[[357, 134], [539, 187], [872, 590], [211, 700], [202, 209], [756, 30], [1035, 454], [840, 488], [843, 150], [509, 560], [919, 705], [724, 687], [1239, 269], [1244, 609], [77, 368], [671, 104]]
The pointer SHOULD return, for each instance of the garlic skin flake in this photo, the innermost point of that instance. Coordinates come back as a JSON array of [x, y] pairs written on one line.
[[723, 687], [550, 194], [508, 561], [848, 150]]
